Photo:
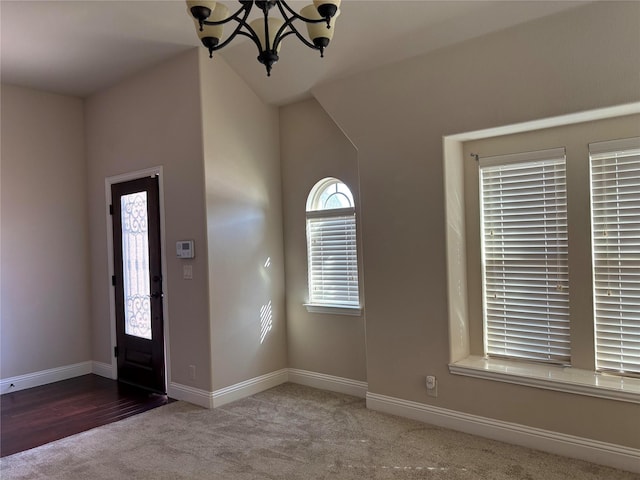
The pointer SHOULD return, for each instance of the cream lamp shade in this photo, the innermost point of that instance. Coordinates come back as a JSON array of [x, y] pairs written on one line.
[[318, 31], [258, 26], [215, 31]]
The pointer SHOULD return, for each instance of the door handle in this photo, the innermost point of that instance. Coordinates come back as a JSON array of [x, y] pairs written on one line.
[[157, 295]]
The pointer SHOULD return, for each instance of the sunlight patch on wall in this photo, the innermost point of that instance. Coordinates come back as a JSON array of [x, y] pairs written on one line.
[[266, 321]]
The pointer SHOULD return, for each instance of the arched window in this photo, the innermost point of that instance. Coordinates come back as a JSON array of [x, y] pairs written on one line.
[[331, 246]]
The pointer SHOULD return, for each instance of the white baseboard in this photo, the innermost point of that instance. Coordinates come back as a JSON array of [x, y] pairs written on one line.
[[228, 394], [35, 379], [264, 382], [189, 394], [560, 444], [328, 382], [249, 387], [103, 369]]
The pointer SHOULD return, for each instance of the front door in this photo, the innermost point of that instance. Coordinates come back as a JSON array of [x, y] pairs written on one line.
[[138, 283]]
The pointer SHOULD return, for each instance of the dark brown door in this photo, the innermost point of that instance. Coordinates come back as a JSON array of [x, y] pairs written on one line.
[[138, 283]]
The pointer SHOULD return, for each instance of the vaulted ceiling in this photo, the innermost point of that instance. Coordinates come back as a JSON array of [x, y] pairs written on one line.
[[80, 47]]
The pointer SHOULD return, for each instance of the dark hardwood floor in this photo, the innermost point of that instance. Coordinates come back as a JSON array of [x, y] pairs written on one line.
[[40, 415]]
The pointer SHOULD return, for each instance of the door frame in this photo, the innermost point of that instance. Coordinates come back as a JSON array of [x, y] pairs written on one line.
[[125, 177]]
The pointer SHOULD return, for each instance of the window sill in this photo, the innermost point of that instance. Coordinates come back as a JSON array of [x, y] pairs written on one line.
[[562, 379], [333, 309]]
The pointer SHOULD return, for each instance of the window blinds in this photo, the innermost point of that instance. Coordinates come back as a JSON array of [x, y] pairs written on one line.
[[525, 257], [332, 254], [615, 207]]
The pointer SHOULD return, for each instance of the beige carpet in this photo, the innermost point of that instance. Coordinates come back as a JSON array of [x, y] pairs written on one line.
[[289, 432]]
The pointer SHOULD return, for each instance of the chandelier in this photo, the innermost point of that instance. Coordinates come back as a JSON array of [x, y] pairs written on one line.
[[266, 32]]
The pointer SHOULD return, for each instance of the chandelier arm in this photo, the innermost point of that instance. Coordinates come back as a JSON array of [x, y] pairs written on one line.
[[279, 34], [289, 24], [295, 14], [252, 36], [266, 32], [294, 31], [237, 31], [245, 6]]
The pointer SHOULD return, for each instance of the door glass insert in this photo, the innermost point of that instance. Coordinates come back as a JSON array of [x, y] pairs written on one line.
[[135, 265]]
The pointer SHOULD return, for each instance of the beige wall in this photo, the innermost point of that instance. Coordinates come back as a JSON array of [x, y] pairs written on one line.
[[313, 148], [397, 116], [244, 227], [149, 120], [45, 271]]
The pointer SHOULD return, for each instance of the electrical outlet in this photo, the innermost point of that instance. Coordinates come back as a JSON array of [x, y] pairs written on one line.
[[192, 372], [432, 386]]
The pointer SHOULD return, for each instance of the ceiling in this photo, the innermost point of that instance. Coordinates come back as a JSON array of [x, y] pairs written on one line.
[[81, 47]]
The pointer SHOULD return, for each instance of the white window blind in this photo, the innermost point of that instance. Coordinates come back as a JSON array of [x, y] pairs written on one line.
[[525, 256], [332, 257], [615, 214]]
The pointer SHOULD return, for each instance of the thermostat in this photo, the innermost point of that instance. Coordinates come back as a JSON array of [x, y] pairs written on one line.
[[184, 249]]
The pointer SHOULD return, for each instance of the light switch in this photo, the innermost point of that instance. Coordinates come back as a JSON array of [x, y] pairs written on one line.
[[187, 272]]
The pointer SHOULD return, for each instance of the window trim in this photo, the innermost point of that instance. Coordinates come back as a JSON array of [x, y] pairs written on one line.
[[550, 377], [455, 236], [333, 309]]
